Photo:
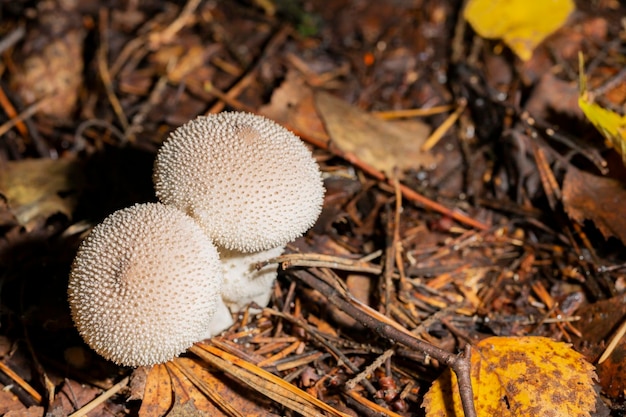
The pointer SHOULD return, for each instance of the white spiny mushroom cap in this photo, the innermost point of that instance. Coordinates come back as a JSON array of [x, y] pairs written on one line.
[[144, 285], [249, 182], [243, 283]]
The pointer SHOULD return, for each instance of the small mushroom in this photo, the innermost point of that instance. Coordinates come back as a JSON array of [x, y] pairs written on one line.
[[250, 183], [145, 285], [243, 283]]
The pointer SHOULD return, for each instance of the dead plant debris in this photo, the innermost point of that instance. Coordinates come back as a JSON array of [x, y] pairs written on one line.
[[484, 227]]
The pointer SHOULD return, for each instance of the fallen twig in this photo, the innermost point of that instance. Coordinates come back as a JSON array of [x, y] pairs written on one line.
[[264, 382], [407, 192], [100, 399], [387, 328]]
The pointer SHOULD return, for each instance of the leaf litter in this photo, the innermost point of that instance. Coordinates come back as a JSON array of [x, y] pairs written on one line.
[[502, 234]]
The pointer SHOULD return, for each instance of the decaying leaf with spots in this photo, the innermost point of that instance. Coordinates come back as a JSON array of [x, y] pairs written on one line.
[[519, 376]]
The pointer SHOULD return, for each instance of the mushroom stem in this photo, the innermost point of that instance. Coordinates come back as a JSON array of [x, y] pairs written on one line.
[[243, 283], [222, 319]]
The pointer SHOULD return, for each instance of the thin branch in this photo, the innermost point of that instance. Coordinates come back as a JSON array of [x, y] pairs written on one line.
[[103, 69], [391, 330], [101, 399], [407, 192]]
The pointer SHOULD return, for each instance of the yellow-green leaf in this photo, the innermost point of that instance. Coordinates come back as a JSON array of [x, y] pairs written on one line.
[[521, 24], [519, 377], [610, 124]]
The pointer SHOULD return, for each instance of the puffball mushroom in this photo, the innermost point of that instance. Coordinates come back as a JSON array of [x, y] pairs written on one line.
[[250, 183], [144, 285], [243, 283]]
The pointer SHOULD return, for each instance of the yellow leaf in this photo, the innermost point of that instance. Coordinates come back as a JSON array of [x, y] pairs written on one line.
[[610, 124], [519, 376], [521, 24]]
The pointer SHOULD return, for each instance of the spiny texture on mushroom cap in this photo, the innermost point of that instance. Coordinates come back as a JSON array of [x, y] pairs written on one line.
[[249, 182], [144, 285], [243, 283]]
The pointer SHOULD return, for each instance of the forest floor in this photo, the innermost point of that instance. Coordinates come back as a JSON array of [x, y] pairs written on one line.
[[507, 221]]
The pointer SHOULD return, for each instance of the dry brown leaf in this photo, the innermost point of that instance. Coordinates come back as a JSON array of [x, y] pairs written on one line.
[[179, 61], [599, 199], [185, 392], [192, 59], [264, 382], [519, 377], [598, 322], [612, 372], [245, 401], [292, 105], [187, 409], [38, 188], [34, 411], [381, 144], [158, 396], [9, 402], [360, 286], [74, 394], [138, 382], [50, 63]]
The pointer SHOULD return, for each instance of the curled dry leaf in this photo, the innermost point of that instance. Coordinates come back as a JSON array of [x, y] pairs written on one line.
[[38, 188], [519, 376], [382, 144]]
